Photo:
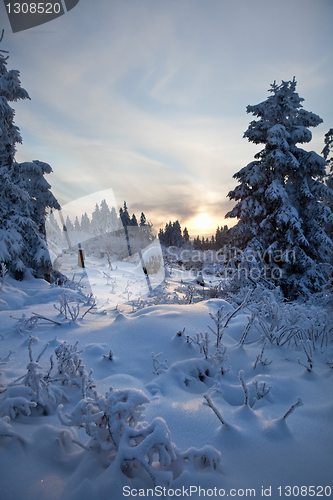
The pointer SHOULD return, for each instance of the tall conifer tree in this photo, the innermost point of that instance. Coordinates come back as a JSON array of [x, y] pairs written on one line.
[[280, 196], [25, 194]]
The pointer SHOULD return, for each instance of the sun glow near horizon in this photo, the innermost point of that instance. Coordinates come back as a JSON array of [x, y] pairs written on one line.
[[202, 223]]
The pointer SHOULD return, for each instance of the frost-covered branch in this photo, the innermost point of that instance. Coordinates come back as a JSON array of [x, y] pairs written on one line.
[[261, 389], [259, 359], [211, 405], [245, 388]]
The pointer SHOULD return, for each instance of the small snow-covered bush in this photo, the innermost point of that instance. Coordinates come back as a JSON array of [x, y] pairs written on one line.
[[115, 426], [70, 304], [71, 370], [31, 390], [70, 311], [38, 389]]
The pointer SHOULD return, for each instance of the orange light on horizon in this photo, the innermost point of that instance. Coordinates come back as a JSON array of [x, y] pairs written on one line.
[[202, 223]]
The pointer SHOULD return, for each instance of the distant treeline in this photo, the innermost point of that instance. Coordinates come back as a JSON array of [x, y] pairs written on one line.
[[103, 219], [172, 235]]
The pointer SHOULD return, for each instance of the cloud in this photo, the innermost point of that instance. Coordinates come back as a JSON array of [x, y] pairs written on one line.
[[149, 97]]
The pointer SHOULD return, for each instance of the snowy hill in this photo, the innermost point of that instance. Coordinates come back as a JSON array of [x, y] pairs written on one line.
[[218, 421]]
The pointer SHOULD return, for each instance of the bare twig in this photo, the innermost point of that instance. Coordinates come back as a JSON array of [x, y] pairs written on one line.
[[292, 408]]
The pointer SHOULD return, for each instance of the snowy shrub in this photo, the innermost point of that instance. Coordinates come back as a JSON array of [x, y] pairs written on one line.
[[70, 304], [200, 340], [112, 423], [218, 359], [137, 304], [70, 312], [71, 370], [259, 358], [282, 323], [17, 400], [161, 296], [38, 388], [199, 459], [221, 321], [261, 389], [32, 389], [115, 426]]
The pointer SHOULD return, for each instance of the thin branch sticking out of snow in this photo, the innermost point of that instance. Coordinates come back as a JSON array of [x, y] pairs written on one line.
[[211, 405], [292, 408], [245, 389]]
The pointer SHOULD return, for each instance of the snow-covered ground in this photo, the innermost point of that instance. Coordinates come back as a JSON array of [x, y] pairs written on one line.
[[221, 424]]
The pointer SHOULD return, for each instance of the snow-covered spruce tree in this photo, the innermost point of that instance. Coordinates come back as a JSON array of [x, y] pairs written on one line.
[[281, 208], [25, 194], [30, 176], [326, 152]]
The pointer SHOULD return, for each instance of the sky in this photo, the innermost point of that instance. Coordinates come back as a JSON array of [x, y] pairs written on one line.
[[148, 97]]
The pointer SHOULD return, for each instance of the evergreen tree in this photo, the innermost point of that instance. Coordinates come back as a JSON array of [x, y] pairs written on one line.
[[133, 221], [69, 225], [25, 194], [77, 224], [54, 233], [85, 224], [197, 243], [104, 217], [218, 238], [176, 234], [124, 215], [143, 220], [161, 236], [326, 152], [280, 193], [186, 236], [95, 224], [30, 176], [168, 234], [114, 219]]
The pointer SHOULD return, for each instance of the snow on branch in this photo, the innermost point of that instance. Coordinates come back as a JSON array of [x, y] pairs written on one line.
[[114, 423], [6, 430], [259, 359], [245, 388], [211, 405]]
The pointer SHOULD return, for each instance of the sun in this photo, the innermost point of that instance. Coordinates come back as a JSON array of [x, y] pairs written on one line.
[[202, 222]]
